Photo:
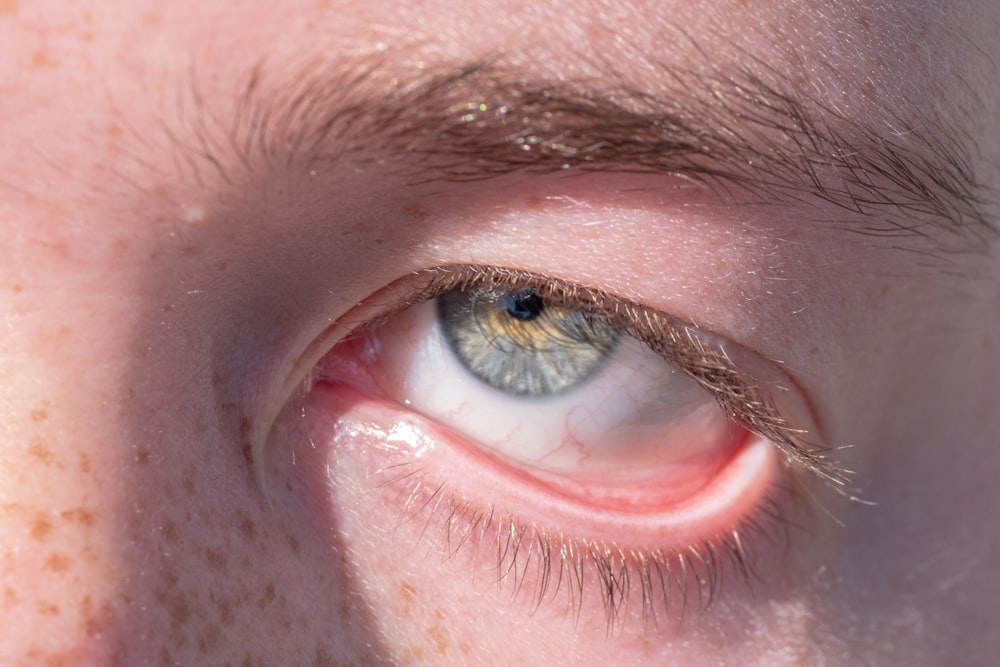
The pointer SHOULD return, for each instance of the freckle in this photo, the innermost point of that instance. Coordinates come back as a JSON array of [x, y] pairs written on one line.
[[248, 452], [294, 545], [415, 211], [169, 530], [345, 613], [18, 288], [215, 559], [267, 597], [8, 7], [9, 597], [413, 655], [69, 658], [209, 638], [190, 250], [39, 415], [142, 456], [79, 515], [42, 453], [225, 612], [188, 481], [95, 623], [406, 595], [322, 658], [248, 528], [41, 528], [439, 636], [534, 203], [407, 590], [84, 462], [42, 59], [58, 562], [48, 609], [177, 606]]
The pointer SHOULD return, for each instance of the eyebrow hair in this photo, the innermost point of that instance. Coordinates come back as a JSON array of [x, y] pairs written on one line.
[[748, 131]]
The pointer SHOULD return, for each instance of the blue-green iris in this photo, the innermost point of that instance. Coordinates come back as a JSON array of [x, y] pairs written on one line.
[[516, 342]]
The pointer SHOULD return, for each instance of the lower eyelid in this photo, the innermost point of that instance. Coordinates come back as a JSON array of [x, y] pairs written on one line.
[[405, 438], [397, 482]]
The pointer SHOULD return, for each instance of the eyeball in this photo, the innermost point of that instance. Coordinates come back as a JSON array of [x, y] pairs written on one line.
[[558, 391]]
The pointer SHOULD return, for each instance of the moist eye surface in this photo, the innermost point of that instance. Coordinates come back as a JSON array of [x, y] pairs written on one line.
[[521, 343]]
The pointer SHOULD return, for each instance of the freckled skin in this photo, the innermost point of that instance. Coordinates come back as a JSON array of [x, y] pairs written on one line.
[[153, 309]]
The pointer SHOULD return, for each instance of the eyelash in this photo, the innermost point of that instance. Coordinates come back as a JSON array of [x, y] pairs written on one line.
[[525, 552]]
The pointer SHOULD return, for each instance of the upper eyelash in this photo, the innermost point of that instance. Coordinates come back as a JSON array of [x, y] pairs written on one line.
[[678, 343]]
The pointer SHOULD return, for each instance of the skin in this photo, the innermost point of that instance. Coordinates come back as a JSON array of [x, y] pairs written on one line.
[[159, 316]]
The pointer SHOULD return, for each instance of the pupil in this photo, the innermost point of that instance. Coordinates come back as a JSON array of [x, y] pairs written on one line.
[[524, 305]]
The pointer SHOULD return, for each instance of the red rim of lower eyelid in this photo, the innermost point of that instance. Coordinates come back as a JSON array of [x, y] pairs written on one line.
[[730, 492]]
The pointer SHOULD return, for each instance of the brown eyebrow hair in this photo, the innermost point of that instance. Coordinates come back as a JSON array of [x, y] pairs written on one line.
[[749, 131]]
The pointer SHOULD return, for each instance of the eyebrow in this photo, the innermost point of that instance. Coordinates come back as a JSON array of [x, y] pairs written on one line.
[[750, 132]]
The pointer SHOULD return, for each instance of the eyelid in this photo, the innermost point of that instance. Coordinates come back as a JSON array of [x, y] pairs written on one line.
[[725, 371]]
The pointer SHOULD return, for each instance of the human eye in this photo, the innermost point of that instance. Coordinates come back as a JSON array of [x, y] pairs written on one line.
[[578, 445]]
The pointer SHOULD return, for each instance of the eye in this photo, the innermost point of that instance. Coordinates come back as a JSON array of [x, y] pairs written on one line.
[[566, 433], [558, 391]]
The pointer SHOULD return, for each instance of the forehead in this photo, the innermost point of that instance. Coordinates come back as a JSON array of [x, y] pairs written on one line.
[[194, 60]]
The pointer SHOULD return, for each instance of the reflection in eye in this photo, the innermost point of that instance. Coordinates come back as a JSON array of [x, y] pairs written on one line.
[[581, 435]]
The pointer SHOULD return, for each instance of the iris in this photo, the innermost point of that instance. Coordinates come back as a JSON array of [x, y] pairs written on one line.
[[520, 343]]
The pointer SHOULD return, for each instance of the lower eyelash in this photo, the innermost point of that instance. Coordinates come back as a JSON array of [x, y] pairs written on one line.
[[532, 562]]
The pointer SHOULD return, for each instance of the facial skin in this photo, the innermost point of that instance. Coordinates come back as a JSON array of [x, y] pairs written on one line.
[[179, 258]]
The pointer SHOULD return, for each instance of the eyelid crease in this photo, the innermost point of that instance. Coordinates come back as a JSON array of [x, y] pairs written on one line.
[[678, 343]]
